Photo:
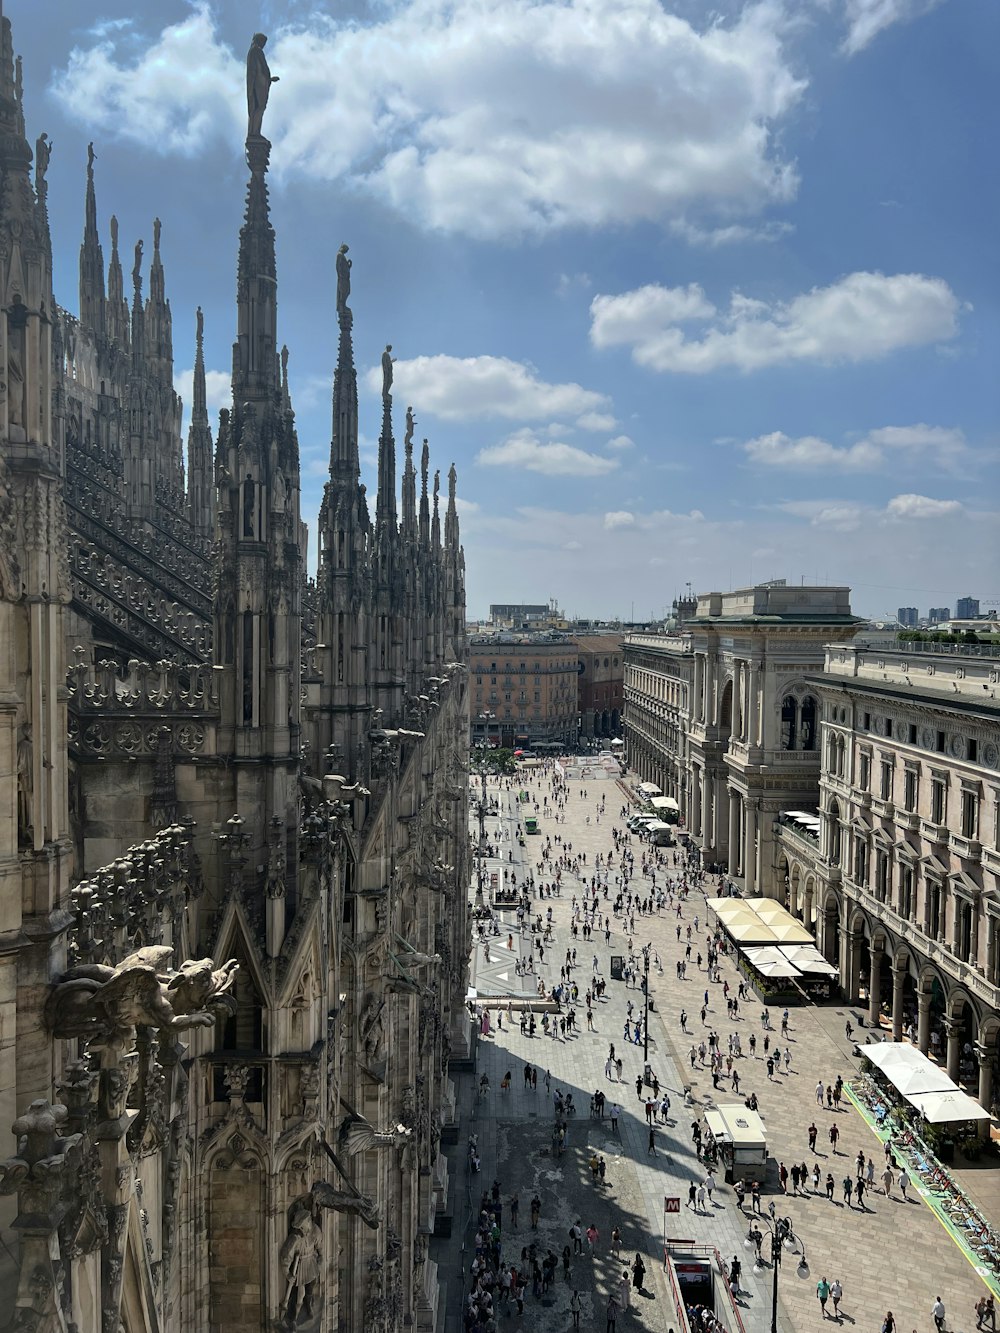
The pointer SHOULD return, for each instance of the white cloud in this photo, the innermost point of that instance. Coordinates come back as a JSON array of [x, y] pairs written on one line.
[[602, 421], [736, 233], [859, 317], [920, 506], [466, 388], [946, 445], [619, 518], [466, 507], [621, 443], [867, 18], [490, 118], [525, 450], [218, 390]]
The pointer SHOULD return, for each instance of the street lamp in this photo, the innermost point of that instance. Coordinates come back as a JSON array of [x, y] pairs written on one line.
[[645, 992], [782, 1236]]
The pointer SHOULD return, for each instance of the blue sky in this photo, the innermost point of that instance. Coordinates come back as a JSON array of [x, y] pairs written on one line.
[[688, 294]]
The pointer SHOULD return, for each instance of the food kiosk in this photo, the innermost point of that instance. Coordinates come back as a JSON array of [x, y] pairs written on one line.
[[741, 1138]]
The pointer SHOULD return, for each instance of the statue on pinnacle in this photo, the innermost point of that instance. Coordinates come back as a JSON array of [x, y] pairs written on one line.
[[259, 80], [387, 361], [343, 279]]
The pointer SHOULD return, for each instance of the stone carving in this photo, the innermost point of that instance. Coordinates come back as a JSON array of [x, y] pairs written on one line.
[[325, 1195], [300, 1257], [410, 426], [259, 80], [356, 1135], [25, 783], [387, 364], [105, 1004], [343, 278], [43, 155]]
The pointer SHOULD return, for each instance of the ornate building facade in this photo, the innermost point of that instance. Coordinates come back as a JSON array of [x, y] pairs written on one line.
[[720, 715], [900, 880], [233, 829]]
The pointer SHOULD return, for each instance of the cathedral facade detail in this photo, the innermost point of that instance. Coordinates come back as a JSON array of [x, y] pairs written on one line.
[[233, 828]]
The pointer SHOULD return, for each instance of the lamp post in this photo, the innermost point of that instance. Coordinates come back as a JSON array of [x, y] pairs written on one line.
[[645, 993], [782, 1236]]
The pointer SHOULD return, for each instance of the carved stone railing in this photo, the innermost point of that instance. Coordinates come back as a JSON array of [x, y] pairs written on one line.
[[137, 608], [126, 716]]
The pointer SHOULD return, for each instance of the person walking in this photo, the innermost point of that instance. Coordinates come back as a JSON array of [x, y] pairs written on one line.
[[575, 1306], [937, 1312], [859, 1191], [819, 1093], [692, 1194], [616, 1241], [710, 1188], [889, 1323], [848, 1184], [576, 1235], [651, 1148], [638, 1273], [834, 1136], [612, 1314], [829, 1185], [903, 1181], [836, 1292], [823, 1294], [536, 1208], [615, 1113], [887, 1181], [514, 1205], [813, 1135], [593, 1236]]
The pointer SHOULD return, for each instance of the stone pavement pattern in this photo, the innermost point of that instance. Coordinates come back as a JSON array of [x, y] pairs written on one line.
[[894, 1255]]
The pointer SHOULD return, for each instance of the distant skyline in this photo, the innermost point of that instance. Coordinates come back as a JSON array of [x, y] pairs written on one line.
[[687, 297]]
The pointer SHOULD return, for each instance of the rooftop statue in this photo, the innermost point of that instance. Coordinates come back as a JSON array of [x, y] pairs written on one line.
[[387, 362], [259, 80], [410, 423], [343, 278]]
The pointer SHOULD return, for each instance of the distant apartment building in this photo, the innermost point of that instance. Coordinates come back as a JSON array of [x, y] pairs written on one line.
[[907, 617], [523, 691], [601, 682], [937, 614], [967, 608]]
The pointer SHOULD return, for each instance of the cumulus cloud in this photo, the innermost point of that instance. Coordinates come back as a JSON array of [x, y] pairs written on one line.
[[619, 518], [620, 443], [218, 389], [945, 445], [867, 18], [467, 388], [492, 118], [525, 450], [920, 506], [859, 317], [596, 421]]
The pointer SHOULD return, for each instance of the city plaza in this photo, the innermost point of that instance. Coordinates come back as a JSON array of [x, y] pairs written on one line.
[[894, 1255]]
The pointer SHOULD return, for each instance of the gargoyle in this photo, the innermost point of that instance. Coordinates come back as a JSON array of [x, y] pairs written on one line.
[[325, 1195], [356, 1134], [97, 1001]]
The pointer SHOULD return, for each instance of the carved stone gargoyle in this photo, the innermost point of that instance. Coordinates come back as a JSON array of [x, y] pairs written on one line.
[[105, 1004]]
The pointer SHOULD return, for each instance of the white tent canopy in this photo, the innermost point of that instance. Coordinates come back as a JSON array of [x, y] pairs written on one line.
[[807, 958], [923, 1083], [656, 826], [771, 962], [649, 789], [943, 1107]]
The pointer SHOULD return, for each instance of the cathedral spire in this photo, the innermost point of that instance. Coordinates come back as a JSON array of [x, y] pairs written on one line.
[[409, 524], [436, 519], [385, 505], [117, 323], [159, 322], [345, 463], [91, 259], [255, 353], [425, 517], [200, 471], [138, 313], [451, 515]]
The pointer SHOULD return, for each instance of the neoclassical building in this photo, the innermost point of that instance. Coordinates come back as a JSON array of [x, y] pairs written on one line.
[[722, 716], [900, 879], [233, 826]]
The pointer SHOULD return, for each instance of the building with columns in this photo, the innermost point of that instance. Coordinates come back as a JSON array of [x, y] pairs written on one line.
[[899, 883], [719, 715], [234, 853]]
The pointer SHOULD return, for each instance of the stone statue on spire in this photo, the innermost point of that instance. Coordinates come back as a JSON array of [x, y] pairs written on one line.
[[387, 361], [137, 267], [43, 155], [343, 279], [410, 423], [259, 80]]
